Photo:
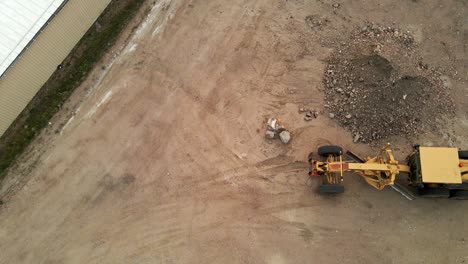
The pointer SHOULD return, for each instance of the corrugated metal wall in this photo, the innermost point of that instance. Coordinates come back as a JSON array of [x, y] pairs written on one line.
[[24, 79]]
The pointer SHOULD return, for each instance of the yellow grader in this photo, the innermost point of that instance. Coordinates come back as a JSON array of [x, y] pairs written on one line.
[[431, 171]]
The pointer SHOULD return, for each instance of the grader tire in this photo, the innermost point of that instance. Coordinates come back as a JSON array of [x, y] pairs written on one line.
[[433, 192], [331, 188], [463, 154], [459, 195], [326, 151]]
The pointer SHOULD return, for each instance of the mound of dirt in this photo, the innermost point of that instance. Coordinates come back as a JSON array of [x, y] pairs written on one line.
[[377, 86]]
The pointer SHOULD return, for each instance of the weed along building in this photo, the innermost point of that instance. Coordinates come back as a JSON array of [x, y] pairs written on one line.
[[35, 37]]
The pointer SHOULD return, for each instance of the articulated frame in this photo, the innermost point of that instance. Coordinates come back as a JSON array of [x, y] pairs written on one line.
[[379, 171]]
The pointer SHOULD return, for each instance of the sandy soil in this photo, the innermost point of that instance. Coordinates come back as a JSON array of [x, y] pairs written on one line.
[[164, 158]]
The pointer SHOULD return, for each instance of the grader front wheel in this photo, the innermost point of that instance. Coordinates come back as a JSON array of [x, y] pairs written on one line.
[[331, 183], [331, 188], [326, 151]]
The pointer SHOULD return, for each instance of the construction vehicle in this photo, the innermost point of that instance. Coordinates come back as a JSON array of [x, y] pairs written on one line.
[[431, 171]]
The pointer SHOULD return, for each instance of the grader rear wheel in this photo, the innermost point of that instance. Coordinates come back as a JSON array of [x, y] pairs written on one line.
[[459, 194], [433, 192], [463, 154]]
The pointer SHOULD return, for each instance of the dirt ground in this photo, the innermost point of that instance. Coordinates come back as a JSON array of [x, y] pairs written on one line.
[[164, 159]]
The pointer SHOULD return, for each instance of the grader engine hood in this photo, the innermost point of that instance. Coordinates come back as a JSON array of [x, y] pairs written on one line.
[[440, 165]]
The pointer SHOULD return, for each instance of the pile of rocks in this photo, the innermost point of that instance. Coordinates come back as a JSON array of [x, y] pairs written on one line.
[[275, 130], [377, 86], [309, 114]]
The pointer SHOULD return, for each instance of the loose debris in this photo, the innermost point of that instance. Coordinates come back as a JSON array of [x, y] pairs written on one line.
[[316, 22], [275, 130], [309, 114], [377, 86]]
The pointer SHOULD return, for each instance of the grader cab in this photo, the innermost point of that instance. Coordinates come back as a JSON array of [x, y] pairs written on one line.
[[431, 171]]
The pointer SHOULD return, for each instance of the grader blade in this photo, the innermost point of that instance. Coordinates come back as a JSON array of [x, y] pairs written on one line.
[[403, 191]]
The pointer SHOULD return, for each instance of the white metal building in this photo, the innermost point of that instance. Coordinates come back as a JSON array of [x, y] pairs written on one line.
[[35, 37], [20, 21]]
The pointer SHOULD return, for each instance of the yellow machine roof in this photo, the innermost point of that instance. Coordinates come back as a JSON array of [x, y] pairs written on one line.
[[440, 165]]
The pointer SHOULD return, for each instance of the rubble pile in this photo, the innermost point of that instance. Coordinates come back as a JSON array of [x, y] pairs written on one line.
[[376, 86], [275, 130]]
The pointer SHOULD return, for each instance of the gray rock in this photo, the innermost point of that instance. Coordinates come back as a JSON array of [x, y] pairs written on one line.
[[285, 136], [307, 118], [309, 114], [356, 138], [446, 81], [348, 116], [331, 115]]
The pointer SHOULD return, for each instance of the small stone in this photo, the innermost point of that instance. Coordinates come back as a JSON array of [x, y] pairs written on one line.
[[339, 90], [348, 116], [307, 118], [331, 115], [302, 109], [361, 79], [309, 114], [316, 114], [356, 138], [270, 134], [336, 5], [285, 136], [378, 48]]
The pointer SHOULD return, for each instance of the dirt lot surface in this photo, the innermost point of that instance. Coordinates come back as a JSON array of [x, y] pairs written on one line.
[[164, 159]]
